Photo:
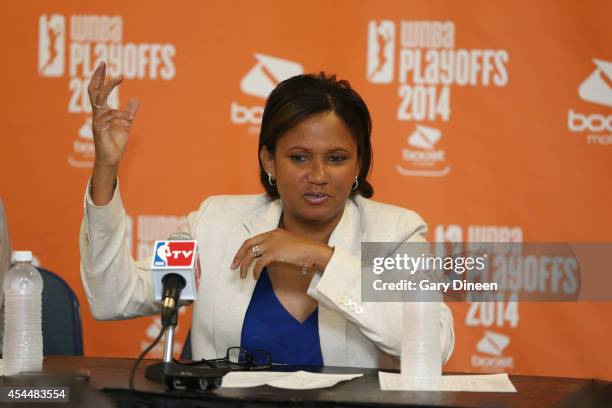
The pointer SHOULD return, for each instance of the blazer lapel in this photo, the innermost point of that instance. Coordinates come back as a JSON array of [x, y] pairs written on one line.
[[333, 326], [264, 218]]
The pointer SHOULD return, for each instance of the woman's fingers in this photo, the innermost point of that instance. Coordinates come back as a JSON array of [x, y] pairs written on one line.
[[116, 114], [133, 106], [249, 257], [125, 118], [99, 92], [240, 254], [260, 264], [105, 90], [245, 261], [123, 122], [96, 82], [245, 249]]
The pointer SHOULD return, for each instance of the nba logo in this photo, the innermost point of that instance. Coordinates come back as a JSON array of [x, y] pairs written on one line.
[[174, 254], [51, 45], [381, 47], [162, 253]]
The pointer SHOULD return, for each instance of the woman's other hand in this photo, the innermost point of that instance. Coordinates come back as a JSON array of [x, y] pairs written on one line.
[[281, 245], [111, 129]]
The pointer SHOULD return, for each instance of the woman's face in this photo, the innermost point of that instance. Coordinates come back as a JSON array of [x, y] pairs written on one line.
[[314, 166]]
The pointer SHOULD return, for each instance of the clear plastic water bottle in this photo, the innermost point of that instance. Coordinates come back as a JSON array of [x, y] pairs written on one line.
[[421, 348], [22, 349]]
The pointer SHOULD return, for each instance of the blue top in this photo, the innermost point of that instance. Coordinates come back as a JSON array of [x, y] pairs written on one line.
[[269, 326]]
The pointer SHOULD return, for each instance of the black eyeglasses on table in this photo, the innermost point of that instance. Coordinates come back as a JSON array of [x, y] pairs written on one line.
[[236, 358]]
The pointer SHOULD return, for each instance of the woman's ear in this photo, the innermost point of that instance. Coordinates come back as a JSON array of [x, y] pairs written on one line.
[[267, 159]]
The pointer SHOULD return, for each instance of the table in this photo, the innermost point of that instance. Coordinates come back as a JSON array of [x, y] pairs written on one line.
[[111, 374]]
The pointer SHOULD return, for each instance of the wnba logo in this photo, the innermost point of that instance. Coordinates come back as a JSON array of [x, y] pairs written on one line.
[[478, 233], [450, 233], [51, 45], [381, 47]]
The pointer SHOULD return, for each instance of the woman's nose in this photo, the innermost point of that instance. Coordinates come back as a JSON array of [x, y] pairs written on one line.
[[318, 173]]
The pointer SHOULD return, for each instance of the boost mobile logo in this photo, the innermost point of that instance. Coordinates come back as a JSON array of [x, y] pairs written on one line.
[[492, 344], [259, 82], [425, 160], [596, 88], [266, 74], [51, 45]]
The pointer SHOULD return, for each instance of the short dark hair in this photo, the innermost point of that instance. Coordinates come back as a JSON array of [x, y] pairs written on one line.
[[303, 96]]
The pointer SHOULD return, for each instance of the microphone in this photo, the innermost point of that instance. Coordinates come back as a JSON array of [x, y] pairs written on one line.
[[174, 271]]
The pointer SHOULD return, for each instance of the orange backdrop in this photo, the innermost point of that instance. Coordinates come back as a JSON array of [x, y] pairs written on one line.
[[491, 119]]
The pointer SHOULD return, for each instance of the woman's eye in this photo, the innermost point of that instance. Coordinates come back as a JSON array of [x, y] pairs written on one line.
[[337, 158], [298, 157]]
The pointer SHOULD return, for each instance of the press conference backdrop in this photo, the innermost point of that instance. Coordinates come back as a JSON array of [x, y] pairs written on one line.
[[491, 119]]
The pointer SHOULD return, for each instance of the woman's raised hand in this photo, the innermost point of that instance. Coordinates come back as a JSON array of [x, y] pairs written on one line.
[[111, 127]]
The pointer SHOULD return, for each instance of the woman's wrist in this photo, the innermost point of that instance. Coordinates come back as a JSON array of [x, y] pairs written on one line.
[[103, 182], [324, 255]]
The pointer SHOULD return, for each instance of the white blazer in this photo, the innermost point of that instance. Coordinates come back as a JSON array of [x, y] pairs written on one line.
[[351, 333]]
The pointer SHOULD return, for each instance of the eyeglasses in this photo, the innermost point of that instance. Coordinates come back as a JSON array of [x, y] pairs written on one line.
[[237, 358]]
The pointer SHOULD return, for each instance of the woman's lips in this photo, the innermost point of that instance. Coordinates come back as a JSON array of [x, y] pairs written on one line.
[[316, 198]]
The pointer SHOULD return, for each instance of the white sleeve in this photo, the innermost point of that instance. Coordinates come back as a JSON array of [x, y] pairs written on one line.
[[117, 287], [339, 288]]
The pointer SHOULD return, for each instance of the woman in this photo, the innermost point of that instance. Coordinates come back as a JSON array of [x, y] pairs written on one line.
[[300, 241]]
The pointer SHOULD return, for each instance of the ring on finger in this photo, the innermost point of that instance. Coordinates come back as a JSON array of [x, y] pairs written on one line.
[[256, 252]]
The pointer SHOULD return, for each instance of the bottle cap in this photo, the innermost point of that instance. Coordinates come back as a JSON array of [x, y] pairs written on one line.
[[22, 256]]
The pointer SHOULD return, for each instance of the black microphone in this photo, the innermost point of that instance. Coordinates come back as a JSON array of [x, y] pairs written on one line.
[[173, 285]]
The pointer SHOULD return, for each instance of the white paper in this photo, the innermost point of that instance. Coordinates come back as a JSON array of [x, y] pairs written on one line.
[[304, 380], [470, 383], [245, 379], [298, 380]]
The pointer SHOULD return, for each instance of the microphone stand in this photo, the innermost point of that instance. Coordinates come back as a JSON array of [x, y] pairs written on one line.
[[157, 371], [178, 376], [182, 377]]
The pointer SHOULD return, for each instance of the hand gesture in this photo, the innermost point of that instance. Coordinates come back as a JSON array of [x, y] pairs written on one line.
[[111, 127], [281, 245]]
